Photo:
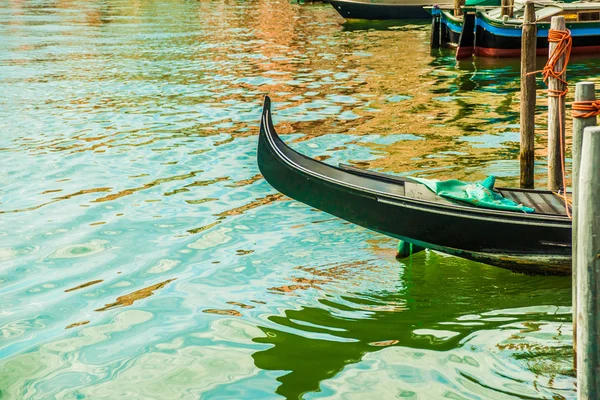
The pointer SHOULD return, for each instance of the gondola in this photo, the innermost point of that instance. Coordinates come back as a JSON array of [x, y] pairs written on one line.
[[401, 208]]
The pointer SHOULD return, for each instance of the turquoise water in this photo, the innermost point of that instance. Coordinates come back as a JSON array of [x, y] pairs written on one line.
[[144, 257]]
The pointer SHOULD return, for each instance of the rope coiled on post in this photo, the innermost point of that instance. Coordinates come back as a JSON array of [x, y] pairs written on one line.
[[586, 109], [564, 42]]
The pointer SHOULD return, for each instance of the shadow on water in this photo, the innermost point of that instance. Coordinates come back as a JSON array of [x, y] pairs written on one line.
[[384, 25], [436, 294]]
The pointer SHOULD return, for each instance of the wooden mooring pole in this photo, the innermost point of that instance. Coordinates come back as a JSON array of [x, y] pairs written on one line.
[[458, 5], [556, 113], [584, 92], [528, 51], [507, 7], [588, 268]]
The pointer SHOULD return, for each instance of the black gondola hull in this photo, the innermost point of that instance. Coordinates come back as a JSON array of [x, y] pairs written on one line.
[[510, 240], [378, 11]]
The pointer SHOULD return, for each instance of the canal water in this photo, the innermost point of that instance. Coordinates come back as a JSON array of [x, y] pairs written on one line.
[[142, 255]]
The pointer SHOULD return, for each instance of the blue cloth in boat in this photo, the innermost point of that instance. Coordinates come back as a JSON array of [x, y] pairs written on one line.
[[480, 194]]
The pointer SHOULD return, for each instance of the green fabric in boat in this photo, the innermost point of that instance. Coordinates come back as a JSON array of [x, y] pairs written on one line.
[[480, 194], [480, 3]]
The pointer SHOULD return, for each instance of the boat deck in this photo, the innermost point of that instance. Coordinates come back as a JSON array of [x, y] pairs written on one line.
[[542, 201]]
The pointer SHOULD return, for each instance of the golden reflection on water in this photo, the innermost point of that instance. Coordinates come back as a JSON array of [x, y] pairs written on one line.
[[200, 201], [241, 305], [73, 325], [378, 63], [148, 185], [245, 182], [84, 285], [239, 211], [130, 298], [65, 197], [443, 103], [208, 182], [231, 313], [256, 203], [203, 228], [329, 275]]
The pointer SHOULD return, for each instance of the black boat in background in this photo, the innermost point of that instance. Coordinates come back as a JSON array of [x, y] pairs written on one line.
[[380, 10], [408, 210]]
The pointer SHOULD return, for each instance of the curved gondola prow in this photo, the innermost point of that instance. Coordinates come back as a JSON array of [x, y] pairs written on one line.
[[269, 141], [523, 242], [266, 132], [267, 129], [266, 111], [272, 151], [266, 121]]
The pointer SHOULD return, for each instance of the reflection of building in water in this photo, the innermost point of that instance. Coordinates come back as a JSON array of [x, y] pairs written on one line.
[[278, 25], [283, 33]]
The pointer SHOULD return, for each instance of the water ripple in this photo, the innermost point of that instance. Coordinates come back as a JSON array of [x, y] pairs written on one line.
[[129, 186]]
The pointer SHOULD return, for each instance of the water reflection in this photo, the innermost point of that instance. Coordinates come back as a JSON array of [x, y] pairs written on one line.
[[439, 304]]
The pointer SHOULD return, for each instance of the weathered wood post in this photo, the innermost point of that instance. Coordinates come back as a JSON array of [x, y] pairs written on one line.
[[588, 268], [584, 92], [528, 51], [556, 113], [458, 4], [507, 7]]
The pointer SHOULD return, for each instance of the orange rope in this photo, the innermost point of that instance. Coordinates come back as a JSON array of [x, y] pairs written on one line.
[[569, 201], [563, 48], [586, 109]]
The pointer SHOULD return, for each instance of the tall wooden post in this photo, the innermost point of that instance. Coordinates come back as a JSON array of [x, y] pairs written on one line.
[[556, 114], [584, 91], [507, 7], [588, 268], [458, 4], [528, 51]]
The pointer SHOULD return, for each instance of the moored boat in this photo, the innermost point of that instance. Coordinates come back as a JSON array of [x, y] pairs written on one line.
[[382, 9], [495, 35], [405, 209]]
